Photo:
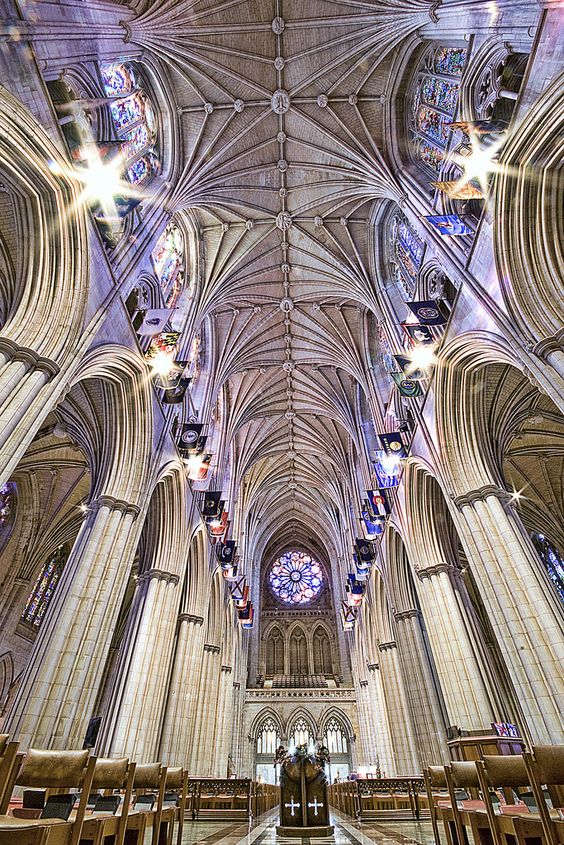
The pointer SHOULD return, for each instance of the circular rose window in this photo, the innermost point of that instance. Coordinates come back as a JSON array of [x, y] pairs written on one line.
[[296, 578]]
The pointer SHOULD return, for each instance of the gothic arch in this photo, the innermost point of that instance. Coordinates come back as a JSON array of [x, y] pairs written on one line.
[[300, 715], [47, 310], [526, 211], [261, 718]]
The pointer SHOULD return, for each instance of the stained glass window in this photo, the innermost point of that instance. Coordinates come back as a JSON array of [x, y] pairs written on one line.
[[335, 738], [450, 60], [117, 79], [268, 738], [134, 121], [300, 733], [45, 585], [406, 252], [552, 560], [296, 578], [8, 499], [434, 100], [168, 261]]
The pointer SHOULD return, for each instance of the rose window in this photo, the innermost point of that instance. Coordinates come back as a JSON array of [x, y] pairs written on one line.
[[296, 578]]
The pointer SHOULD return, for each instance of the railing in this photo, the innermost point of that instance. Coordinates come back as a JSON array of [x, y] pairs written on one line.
[[366, 799], [231, 799]]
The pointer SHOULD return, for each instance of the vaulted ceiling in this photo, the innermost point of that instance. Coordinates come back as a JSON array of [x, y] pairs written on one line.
[[283, 111]]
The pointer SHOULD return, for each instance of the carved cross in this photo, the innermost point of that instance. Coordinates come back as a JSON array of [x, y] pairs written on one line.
[[293, 806], [316, 805]]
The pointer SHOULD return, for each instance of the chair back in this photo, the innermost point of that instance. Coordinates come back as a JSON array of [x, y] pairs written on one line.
[[174, 778], [53, 769], [437, 776], [152, 776], [57, 770], [549, 763], [505, 770], [10, 762], [464, 774], [116, 774]]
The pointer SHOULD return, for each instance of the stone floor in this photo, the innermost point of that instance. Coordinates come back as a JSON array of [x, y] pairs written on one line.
[[347, 832]]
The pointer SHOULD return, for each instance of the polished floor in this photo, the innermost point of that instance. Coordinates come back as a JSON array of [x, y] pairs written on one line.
[[347, 832]]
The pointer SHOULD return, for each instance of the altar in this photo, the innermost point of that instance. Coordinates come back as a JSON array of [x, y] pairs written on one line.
[[304, 804]]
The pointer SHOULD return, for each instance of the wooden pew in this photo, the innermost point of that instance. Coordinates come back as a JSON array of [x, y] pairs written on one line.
[[10, 764], [507, 773], [545, 767], [176, 786]]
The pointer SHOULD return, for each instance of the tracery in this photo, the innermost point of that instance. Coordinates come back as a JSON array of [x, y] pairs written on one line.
[[296, 578]]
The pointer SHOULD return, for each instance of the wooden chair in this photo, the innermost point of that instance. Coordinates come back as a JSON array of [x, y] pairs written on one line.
[[110, 775], [545, 767], [177, 784], [10, 763], [56, 770], [507, 773], [463, 775], [148, 777], [437, 790]]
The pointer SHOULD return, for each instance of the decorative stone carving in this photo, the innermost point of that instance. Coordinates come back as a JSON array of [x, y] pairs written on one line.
[[279, 63], [282, 165], [287, 304], [278, 25], [280, 102], [284, 221], [208, 108], [323, 101], [239, 105]]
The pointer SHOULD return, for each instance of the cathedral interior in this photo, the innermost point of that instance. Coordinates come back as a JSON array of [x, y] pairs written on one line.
[[281, 385]]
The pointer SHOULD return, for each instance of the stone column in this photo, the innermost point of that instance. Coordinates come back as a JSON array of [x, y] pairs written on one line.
[[526, 617], [59, 688], [405, 760], [180, 714], [366, 725], [223, 721], [426, 711], [204, 729], [380, 720], [24, 401], [135, 723], [469, 696]]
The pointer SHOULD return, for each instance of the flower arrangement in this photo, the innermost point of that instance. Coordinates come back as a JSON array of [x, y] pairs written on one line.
[[319, 756]]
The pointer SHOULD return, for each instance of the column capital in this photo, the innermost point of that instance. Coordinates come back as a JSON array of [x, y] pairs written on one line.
[[372, 667], [437, 569], [363, 683], [480, 495], [213, 649], [114, 504], [387, 646], [189, 617], [236, 685], [407, 614], [158, 575], [227, 669], [34, 361]]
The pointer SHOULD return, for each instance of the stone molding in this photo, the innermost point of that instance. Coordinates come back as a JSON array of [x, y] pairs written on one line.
[[363, 684], [189, 617], [372, 667], [321, 694], [213, 649], [159, 575], [387, 646], [480, 495], [12, 351], [227, 669], [437, 569], [114, 504], [402, 615]]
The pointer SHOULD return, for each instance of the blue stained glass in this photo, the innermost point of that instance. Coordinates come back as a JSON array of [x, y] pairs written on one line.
[[44, 588], [296, 578], [117, 79], [127, 111], [168, 260], [450, 60], [433, 124], [140, 171], [440, 93], [552, 560], [135, 141], [407, 250], [431, 155]]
